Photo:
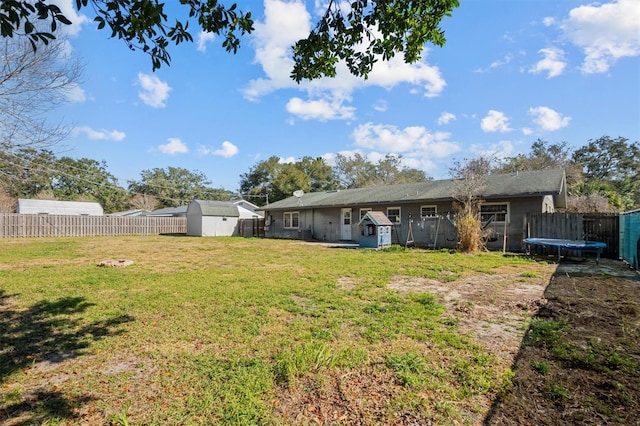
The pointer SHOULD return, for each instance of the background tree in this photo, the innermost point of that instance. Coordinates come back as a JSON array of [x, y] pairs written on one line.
[[360, 34], [390, 171], [85, 179], [543, 155], [176, 186], [614, 163], [321, 175], [31, 84], [276, 180], [7, 203], [26, 172], [354, 171], [357, 171], [144, 202]]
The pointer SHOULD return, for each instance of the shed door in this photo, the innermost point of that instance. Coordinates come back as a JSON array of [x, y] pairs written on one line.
[[345, 231]]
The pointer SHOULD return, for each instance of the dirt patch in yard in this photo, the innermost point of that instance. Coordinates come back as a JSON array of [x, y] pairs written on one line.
[[492, 309], [586, 372]]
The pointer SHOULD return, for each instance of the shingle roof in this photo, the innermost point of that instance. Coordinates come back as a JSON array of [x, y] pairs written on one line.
[[522, 184], [217, 208], [378, 218]]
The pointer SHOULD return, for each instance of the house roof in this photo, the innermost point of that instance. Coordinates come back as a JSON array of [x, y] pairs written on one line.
[[214, 208], [26, 206], [522, 184], [378, 218], [248, 205], [168, 211], [133, 212]]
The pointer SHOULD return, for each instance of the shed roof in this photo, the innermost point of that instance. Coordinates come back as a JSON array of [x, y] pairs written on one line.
[[378, 218], [522, 184], [215, 208], [26, 206]]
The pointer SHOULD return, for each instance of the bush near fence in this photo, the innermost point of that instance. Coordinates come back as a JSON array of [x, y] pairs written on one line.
[[32, 225]]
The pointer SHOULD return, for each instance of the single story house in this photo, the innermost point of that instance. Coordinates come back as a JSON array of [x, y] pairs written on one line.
[[218, 218], [55, 207], [180, 211], [128, 213], [420, 212]]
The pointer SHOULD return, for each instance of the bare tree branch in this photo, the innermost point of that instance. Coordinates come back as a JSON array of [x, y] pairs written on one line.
[[32, 83]]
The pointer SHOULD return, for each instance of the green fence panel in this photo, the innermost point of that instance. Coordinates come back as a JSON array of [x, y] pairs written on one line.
[[630, 238]]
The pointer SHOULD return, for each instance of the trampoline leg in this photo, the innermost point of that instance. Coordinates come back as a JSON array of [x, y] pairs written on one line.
[[559, 254], [598, 257]]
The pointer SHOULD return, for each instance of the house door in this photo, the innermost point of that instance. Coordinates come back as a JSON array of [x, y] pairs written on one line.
[[345, 228]]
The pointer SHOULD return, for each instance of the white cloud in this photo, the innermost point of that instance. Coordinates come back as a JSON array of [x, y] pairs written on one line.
[[388, 138], [173, 146], [380, 105], [495, 121], [287, 160], [75, 94], [605, 33], [446, 118], [553, 62], [154, 92], [112, 135], [322, 110], [548, 21], [504, 61], [548, 119], [527, 131], [227, 150], [287, 22], [496, 151], [77, 20], [203, 39]]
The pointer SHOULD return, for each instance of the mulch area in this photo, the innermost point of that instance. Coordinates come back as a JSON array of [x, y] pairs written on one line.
[[590, 375]]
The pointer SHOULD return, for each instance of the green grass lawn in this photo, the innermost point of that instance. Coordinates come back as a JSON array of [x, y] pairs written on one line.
[[235, 331]]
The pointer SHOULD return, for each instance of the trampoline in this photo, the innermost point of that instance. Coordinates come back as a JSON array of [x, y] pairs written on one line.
[[580, 245]]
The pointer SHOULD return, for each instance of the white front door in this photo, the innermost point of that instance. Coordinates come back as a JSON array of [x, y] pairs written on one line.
[[345, 228]]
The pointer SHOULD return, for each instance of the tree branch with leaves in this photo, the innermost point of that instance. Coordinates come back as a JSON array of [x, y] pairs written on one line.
[[359, 33]]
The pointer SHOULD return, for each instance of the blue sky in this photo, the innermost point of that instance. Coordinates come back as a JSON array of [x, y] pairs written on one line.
[[511, 72]]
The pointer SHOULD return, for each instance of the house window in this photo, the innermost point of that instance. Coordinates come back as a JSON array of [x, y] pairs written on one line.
[[363, 212], [393, 213], [291, 220], [428, 211], [494, 212]]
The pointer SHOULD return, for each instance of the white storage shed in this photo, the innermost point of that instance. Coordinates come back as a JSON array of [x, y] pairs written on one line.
[[212, 219]]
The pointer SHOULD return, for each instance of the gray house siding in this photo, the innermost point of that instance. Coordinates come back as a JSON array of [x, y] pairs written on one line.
[[423, 211], [324, 224]]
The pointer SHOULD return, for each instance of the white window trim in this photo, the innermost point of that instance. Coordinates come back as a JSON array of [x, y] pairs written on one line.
[[399, 214], [435, 208], [507, 215], [290, 214]]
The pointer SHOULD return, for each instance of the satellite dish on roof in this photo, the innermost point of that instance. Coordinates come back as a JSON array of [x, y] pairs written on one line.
[[299, 193]]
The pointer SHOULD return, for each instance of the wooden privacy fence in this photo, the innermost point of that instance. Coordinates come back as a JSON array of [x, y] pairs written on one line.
[[251, 227], [33, 225], [602, 227]]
